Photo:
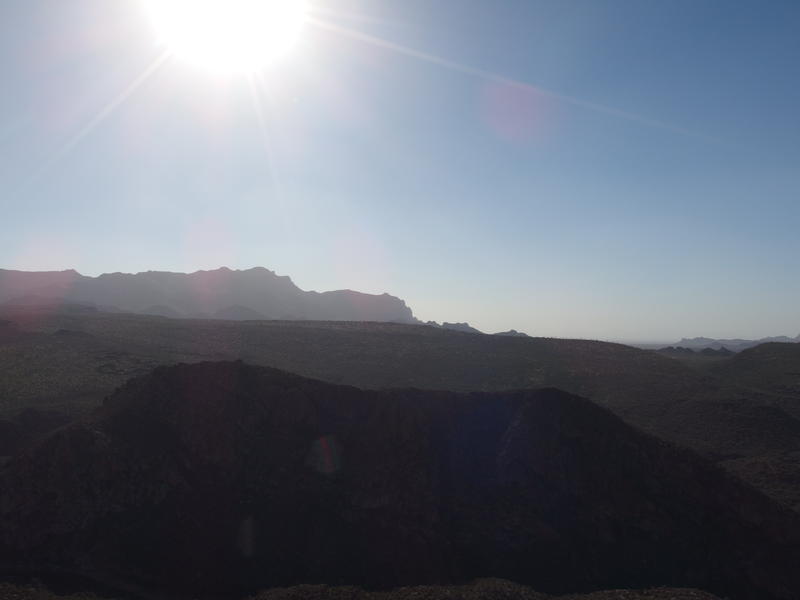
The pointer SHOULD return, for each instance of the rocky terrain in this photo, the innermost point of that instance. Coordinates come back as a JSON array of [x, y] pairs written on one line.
[[772, 368], [69, 362], [226, 478]]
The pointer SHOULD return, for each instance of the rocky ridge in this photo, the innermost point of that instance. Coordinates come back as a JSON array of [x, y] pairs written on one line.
[[221, 477]]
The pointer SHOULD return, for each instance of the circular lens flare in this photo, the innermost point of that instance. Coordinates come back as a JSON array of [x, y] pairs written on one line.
[[228, 35]]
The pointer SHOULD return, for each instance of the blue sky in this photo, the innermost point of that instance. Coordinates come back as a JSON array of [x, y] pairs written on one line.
[[603, 169]]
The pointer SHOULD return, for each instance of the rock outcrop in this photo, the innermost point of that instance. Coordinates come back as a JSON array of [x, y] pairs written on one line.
[[225, 478]]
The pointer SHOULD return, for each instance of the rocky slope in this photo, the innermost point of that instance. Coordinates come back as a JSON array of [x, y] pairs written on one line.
[[221, 477], [223, 293], [773, 367], [70, 362]]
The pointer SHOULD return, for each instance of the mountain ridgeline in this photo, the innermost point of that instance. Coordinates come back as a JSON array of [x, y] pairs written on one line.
[[223, 478], [256, 293], [735, 345]]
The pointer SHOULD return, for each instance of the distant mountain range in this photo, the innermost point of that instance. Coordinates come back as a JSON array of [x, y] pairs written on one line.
[[467, 328], [736, 345], [233, 295], [680, 351], [223, 293]]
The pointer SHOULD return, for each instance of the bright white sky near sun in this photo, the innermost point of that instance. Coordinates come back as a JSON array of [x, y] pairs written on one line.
[[610, 169]]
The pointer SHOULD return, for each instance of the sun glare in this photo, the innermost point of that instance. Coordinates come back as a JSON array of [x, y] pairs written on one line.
[[228, 36]]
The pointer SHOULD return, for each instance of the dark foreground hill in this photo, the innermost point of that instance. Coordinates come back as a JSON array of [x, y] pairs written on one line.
[[225, 478], [772, 368], [70, 362]]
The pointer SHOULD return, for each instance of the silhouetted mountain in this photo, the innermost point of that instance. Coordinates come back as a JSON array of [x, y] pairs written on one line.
[[512, 333], [676, 351], [464, 327], [736, 345], [222, 478], [17, 284], [222, 293], [681, 352], [723, 351]]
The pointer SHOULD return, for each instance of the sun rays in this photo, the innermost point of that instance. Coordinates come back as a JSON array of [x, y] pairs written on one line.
[[242, 38], [228, 36]]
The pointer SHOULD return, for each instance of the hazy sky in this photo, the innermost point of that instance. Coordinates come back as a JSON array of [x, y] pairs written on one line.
[[643, 185]]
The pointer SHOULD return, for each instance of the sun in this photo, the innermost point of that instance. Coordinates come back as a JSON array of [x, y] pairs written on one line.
[[228, 36]]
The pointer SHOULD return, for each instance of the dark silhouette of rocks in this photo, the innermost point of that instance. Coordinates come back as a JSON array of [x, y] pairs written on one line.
[[723, 351], [463, 327], [467, 328], [225, 478], [223, 293], [746, 428], [734, 345], [512, 333], [680, 351], [676, 351]]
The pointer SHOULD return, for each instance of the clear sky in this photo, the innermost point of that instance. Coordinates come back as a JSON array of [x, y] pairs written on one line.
[[603, 169]]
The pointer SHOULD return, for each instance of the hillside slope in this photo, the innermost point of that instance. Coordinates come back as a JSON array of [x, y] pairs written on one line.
[[70, 362], [773, 367], [221, 477]]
